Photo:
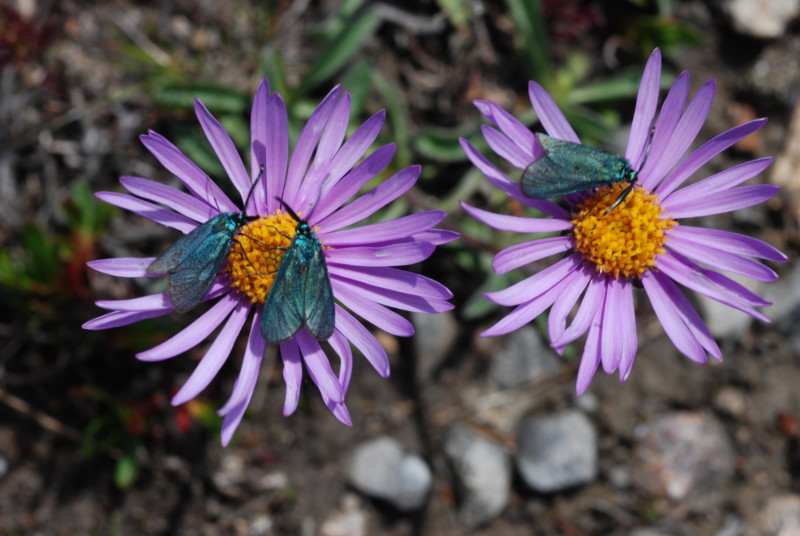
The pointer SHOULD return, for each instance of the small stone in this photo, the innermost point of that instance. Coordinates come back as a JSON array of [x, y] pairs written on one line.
[[619, 477], [685, 456], [261, 525], [587, 402], [380, 469], [349, 520], [523, 359], [483, 473], [731, 401], [557, 452], [781, 516], [761, 18], [434, 336]]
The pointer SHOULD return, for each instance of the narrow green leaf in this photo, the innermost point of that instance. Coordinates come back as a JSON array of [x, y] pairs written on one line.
[[457, 11], [397, 115], [272, 67], [340, 50], [530, 39], [443, 144], [126, 470], [217, 98], [357, 80]]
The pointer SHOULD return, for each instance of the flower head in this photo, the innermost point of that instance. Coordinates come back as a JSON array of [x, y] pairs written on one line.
[[322, 174], [607, 252]]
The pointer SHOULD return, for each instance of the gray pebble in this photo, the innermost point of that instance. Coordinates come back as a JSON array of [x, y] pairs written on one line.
[[762, 18], [483, 473], [381, 469], [557, 452], [523, 359], [434, 336], [684, 456]]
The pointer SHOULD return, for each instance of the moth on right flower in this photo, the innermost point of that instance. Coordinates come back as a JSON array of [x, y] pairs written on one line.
[[606, 252]]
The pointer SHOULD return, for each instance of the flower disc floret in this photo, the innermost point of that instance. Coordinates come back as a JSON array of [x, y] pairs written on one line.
[[625, 241], [256, 254]]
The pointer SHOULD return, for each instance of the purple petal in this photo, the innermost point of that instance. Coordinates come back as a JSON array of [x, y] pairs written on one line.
[[306, 144], [142, 303], [537, 284], [376, 314], [147, 210], [509, 187], [590, 359], [318, 366], [550, 116], [329, 144], [233, 411], [707, 254], [223, 146], [525, 312], [726, 201], [187, 171], [505, 148], [178, 201], [436, 237], [665, 126], [385, 231], [122, 318], [397, 300], [590, 306], [528, 252], [681, 139], [703, 154], [194, 333], [123, 266], [392, 255], [734, 289], [611, 336], [353, 182], [277, 151], [517, 224], [677, 316], [215, 357], [372, 201], [727, 241], [292, 375], [362, 339], [518, 134], [627, 323], [259, 133], [646, 103], [353, 149], [691, 276], [342, 349], [395, 280], [573, 286], [713, 185]]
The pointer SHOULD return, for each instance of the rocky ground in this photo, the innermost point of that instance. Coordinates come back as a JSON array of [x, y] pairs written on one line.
[[468, 435]]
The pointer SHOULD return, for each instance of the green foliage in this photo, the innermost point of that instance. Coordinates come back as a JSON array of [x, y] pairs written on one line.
[[42, 263]]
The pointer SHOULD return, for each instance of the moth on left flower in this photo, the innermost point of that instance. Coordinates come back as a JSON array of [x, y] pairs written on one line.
[[314, 181]]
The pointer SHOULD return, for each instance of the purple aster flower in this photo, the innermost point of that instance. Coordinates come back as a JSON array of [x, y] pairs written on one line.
[[638, 243], [322, 174]]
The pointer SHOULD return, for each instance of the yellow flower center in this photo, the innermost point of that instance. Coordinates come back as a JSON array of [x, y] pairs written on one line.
[[257, 252], [626, 240]]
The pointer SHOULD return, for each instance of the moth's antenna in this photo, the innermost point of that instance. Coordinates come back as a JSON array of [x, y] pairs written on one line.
[[291, 212], [647, 148], [252, 188]]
